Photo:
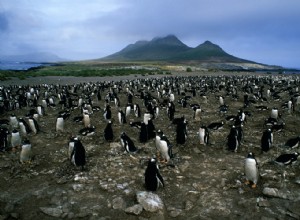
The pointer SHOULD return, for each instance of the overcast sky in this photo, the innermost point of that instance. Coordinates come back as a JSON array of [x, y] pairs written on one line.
[[265, 31]]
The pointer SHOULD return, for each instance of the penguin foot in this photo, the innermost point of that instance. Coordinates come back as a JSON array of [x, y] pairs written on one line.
[[253, 186], [247, 182]]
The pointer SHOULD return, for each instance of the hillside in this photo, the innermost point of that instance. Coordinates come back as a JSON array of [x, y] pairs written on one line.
[[170, 49]]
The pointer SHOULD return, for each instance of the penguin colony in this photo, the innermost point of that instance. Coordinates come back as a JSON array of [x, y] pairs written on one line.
[[164, 113]]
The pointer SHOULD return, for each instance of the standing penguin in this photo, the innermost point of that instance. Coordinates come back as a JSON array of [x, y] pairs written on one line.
[[78, 154], [163, 146], [203, 135], [33, 125], [15, 139], [274, 113], [251, 170], [13, 121], [24, 127], [26, 152], [181, 131], [59, 124], [108, 132], [143, 135], [128, 109], [107, 113], [232, 139], [122, 117], [127, 143], [152, 176], [137, 110], [4, 139], [266, 140], [86, 120]]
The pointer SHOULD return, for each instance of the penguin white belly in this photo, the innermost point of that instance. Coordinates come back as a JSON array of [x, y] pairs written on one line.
[[201, 135], [251, 170], [26, 153], [15, 139], [60, 124], [164, 150]]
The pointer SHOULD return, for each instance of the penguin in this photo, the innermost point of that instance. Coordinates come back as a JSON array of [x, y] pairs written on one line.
[[26, 152], [86, 120], [292, 142], [136, 124], [204, 135], [107, 113], [163, 147], [251, 170], [147, 117], [232, 139], [33, 125], [4, 139], [274, 113], [143, 135], [108, 132], [128, 110], [215, 126], [137, 110], [15, 139], [78, 157], [197, 113], [266, 140], [88, 131], [150, 129], [71, 145], [13, 121], [181, 131], [24, 127], [286, 159], [127, 143], [171, 111], [59, 124], [40, 110], [153, 177], [121, 117]]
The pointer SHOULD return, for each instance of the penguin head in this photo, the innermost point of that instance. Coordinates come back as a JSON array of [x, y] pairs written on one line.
[[251, 155]]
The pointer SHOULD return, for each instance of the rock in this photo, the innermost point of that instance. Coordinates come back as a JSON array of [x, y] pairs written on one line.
[[136, 209], [261, 202], [54, 212], [118, 203], [175, 213], [274, 192], [188, 205], [151, 202]]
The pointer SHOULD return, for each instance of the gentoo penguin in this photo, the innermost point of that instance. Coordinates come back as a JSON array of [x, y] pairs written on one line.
[[286, 159], [143, 135], [232, 139], [181, 131], [127, 143], [59, 124], [78, 154], [24, 127], [171, 97], [15, 139], [33, 125], [292, 142], [147, 117], [88, 131], [251, 170], [86, 120], [152, 176], [171, 111], [215, 126], [108, 132], [203, 135], [121, 117], [71, 145], [137, 110], [197, 113], [107, 113], [150, 129], [221, 100], [40, 110], [274, 113], [128, 109], [163, 147], [13, 121], [26, 152], [4, 139], [266, 140]]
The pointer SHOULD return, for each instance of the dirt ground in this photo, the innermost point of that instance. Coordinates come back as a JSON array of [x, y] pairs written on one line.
[[206, 181]]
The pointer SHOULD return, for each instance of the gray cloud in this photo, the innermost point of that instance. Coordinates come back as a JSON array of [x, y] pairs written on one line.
[[263, 31]]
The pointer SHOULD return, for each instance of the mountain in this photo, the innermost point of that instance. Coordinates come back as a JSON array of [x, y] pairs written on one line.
[[40, 57], [170, 49]]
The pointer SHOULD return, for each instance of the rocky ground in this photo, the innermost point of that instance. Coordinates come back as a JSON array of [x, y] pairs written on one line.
[[206, 182]]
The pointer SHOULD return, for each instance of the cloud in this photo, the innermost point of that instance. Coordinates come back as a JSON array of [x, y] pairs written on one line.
[[78, 29]]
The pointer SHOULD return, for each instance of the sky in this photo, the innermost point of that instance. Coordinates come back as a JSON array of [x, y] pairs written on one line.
[[264, 31]]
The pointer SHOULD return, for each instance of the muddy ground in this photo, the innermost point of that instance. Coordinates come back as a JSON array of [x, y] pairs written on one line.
[[206, 182]]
